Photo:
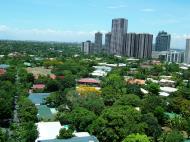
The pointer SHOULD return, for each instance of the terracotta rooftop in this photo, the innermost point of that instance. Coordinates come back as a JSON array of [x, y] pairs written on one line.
[[38, 86], [136, 81], [89, 80]]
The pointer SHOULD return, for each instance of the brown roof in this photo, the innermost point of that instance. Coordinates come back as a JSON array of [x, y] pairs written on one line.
[[136, 81]]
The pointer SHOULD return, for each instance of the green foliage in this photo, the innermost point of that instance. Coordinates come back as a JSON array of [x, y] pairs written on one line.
[[116, 122], [25, 132], [2, 136], [65, 134], [150, 103], [153, 128], [27, 112], [80, 118], [92, 102], [174, 136], [153, 88], [136, 138], [52, 86], [129, 99]]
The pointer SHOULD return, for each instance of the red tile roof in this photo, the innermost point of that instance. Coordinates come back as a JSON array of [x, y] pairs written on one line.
[[2, 72], [38, 86], [89, 80]]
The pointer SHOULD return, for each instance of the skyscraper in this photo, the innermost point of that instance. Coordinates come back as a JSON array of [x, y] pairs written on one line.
[[143, 46], [187, 52], [163, 41], [107, 42], [129, 44], [119, 29], [87, 47], [98, 42]]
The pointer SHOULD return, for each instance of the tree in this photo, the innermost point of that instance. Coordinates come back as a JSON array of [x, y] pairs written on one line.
[[52, 86], [153, 88], [2, 136], [174, 136], [65, 134], [25, 132], [136, 138], [80, 117], [27, 111], [153, 128], [150, 103], [129, 99], [92, 102], [116, 122]]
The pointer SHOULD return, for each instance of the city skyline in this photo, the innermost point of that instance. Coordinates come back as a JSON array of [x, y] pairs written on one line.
[[71, 21]]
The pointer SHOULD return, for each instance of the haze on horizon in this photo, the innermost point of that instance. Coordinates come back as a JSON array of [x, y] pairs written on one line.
[[76, 21]]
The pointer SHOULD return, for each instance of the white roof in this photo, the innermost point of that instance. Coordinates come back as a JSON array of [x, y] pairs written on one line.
[[144, 91], [154, 81], [166, 81], [164, 94], [168, 89], [165, 77], [99, 74], [48, 130], [81, 134], [132, 59], [184, 68]]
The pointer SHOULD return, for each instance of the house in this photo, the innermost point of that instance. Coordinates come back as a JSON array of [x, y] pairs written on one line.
[[164, 94], [48, 132], [2, 72], [89, 81], [53, 76], [136, 81], [27, 64], [38, 98], [75, 139], [45, 113], [166, 82], [4, 66], [168, 90], [144, 91], [38, 86], [99, 73]]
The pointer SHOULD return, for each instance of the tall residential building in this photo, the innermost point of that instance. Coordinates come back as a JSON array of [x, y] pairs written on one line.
[[187, 52], [129, 44], [107, 42], [98, 42], [119, 29], [87, 47], [143, 46], [174, 56], [163, 41]]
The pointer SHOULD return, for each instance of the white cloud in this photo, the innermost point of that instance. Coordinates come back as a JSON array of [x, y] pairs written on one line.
[[46, 34], [148, 10], [4, 28], [117, 6]]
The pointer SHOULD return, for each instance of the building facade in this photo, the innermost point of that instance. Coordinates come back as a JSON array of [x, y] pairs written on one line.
[[87, 47], [129, 44], [107, 42], [98, 42], [187, 52], [143, 46], [163, 40], [175, 56], [119, 29]]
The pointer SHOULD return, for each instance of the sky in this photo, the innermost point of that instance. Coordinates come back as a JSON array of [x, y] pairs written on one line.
[[78, 20]]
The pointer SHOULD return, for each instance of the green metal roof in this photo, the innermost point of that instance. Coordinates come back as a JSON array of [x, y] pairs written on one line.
[[44, 113]]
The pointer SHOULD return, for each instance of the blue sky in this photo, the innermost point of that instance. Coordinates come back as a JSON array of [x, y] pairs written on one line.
[[77, 20]]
